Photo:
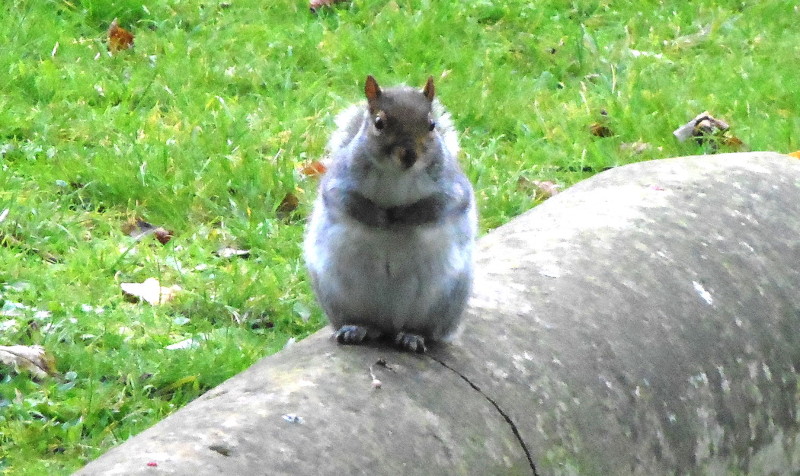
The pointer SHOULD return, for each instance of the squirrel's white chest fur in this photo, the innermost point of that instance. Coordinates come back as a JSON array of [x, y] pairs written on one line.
[[392, 278], [389, 189]]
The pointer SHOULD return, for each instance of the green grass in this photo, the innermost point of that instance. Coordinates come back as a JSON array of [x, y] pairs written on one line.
[[201, 128]]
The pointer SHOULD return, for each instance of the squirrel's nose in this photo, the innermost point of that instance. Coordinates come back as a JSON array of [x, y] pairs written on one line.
[[408, 157]]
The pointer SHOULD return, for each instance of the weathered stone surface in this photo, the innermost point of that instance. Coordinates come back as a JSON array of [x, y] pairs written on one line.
[[347, 427], [652, 324], [645, 321]]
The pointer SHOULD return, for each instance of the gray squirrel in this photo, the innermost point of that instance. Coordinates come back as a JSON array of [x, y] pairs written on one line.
[[390, 240]]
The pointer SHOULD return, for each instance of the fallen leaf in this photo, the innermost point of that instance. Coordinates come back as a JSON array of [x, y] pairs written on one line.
[[635, 148], [232, 252], [118, 37], [708, 126], [190, 343], [315, 5], [289, 204], [138, 229], [546, 189], [314, 168], [162, 235], [600, 130], [703, 125], [135, 227], [31, 358], [541, 189], [733, 142], [151, 291], [795, 154]]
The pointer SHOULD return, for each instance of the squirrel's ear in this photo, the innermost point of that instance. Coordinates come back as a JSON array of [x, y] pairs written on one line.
[[371, 89], [429, 90]]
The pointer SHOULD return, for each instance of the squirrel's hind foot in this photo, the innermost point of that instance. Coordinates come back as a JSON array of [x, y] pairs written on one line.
[[410, 342], [351, 335]]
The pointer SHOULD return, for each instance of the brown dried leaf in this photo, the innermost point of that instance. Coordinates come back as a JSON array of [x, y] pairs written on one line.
[[31, 358], [709, 126], [138, 229], [733, 142], [315, 5], [546, 189], [703, 125], [118, 37], [151, 291], [314, 168], [289, 204], [600, 130], [541, 189], [162, 235]]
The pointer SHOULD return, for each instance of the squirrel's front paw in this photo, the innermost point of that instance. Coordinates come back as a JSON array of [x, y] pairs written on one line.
[[350, 335], [410, 342]]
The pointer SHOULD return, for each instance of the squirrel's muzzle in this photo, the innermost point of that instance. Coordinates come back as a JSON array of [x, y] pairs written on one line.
[[407, 156]]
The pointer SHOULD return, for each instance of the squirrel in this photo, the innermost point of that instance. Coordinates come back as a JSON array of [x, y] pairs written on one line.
[[390, 240]]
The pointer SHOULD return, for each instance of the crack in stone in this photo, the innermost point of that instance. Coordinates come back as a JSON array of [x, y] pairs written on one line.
[[510, 422]]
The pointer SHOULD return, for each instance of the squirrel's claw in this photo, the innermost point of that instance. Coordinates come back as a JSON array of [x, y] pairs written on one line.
[[351, 335], [410, 342]]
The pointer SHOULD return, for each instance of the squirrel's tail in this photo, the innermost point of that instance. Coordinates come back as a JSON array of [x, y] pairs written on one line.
[[444, 122], [348, 123]]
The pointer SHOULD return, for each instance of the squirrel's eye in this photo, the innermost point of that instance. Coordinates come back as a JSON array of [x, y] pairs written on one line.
[[432, 125], [379, 123]]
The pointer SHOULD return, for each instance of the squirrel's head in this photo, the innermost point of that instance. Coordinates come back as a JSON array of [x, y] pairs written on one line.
[[401, 121]]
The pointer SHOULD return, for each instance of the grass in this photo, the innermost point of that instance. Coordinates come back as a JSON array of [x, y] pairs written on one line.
[[201, 129]]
